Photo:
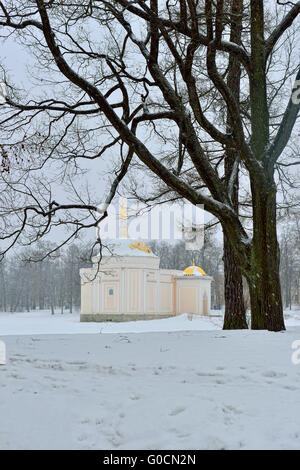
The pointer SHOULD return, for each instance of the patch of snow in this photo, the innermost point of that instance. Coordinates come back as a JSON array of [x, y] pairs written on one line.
[[171, 385], [158, 390], [42, 322]]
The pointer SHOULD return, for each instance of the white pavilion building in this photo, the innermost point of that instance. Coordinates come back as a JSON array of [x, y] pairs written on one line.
[[129, 285]]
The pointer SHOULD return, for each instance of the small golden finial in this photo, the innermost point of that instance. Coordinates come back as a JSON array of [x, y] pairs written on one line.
[[193, 260]]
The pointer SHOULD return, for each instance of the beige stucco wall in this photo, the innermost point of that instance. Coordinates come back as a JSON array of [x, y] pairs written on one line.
[[135, 287], [193, 294], [124, 285]]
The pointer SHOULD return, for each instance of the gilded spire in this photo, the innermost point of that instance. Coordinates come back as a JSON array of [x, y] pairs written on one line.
[[123, 213], [123, 229]]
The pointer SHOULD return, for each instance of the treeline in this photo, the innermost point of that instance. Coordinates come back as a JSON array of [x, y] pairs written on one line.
[[44, 282], [53, 282], [290, 261]]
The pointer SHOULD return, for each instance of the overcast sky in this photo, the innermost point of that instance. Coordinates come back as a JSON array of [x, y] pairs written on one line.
[[19, 65]]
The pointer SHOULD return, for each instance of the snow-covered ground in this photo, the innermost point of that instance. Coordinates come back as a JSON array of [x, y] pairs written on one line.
[[41, 322], [190, 385]]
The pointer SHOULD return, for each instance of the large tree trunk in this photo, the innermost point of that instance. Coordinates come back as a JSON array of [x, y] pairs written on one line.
[[263, 275], [264, 281], [235, 313]]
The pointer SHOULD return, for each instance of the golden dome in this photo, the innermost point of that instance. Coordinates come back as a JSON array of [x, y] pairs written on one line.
[[194, 271]]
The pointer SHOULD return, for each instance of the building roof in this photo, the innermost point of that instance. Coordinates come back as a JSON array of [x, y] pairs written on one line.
[[194, 271]]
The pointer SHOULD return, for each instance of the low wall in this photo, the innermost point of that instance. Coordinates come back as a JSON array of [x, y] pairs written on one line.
[[119, 317]]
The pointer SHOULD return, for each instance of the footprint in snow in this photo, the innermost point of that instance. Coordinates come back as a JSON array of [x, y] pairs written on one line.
[[85, 421], [134, 397], [207, 374], [122, 339], [16, 376], [179, 433], [290, 387], [220, 382], [231, 409], [272, 373], [176, 411], [77, 363]]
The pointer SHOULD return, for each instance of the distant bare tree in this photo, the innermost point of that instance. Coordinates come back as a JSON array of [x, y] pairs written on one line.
[[3, 286], [29, 280], [290, 259]]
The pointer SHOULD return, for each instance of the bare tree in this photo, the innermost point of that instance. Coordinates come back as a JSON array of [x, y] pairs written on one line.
[[290, 259], [124, 83], [30, 281]]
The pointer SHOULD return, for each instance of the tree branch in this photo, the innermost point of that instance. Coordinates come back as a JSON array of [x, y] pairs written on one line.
[[286, 126], [281, 28]]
